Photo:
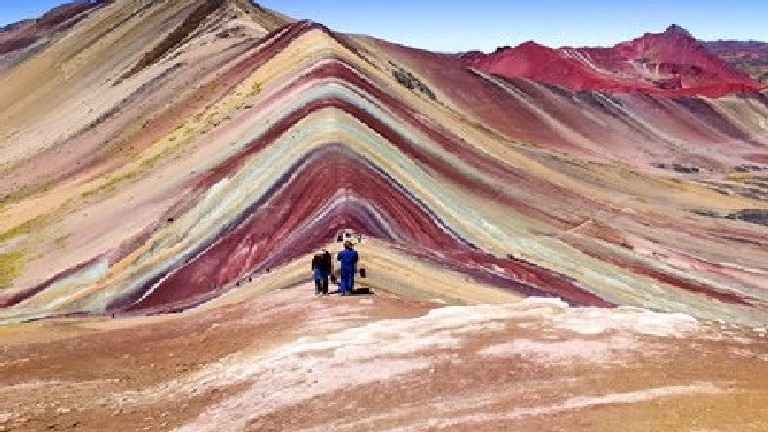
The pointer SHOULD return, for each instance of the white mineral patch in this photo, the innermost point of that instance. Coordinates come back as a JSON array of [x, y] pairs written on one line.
[[592, 321], [313, 366], [32, 385], [566, 351], [443, 328], [571, 404], [382, 350]]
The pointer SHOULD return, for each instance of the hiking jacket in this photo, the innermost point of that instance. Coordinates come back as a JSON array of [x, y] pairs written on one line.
[[348, 259], [322, 262]]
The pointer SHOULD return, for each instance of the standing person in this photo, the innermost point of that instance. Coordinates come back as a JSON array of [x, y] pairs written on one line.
[[321, 268], [327, 265], [348, 263]]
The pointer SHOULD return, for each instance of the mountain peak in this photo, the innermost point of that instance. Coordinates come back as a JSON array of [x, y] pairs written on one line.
[[532, 44], [677, 29], [672, 63]]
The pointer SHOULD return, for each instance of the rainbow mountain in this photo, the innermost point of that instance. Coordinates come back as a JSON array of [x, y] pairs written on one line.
[[154, 156], [190, 157]]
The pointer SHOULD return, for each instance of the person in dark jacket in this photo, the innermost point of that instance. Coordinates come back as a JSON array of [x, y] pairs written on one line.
[[322, 267], [347, 258]]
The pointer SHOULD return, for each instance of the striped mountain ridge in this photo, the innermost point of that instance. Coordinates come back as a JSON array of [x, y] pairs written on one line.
[[178, 149]]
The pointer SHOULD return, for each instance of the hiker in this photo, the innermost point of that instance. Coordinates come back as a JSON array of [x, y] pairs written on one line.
[[322, 267], [348, 262], [328, 264]]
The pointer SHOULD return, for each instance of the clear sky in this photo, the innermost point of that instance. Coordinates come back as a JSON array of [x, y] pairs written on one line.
[[453, 25]]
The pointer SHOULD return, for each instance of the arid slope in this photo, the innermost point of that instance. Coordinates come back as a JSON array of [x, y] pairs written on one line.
[[671, 63], [538, 257]]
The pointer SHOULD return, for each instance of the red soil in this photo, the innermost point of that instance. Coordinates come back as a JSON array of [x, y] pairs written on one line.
[[671, 63]]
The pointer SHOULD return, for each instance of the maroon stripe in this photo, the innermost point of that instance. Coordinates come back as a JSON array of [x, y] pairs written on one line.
[[287, 226]]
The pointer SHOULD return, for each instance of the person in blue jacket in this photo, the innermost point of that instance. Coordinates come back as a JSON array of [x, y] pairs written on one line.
[[348, 266]]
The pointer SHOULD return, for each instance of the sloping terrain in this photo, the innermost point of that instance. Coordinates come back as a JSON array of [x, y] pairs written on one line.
[[167, 169], [21, 40], [671, 63], [750, 57], [273, 361]]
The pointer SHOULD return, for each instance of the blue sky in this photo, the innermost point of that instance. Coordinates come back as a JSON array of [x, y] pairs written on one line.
[[14, 10], [452, 25]]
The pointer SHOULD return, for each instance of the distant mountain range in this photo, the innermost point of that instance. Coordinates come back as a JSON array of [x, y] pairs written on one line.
[[18, 41], [750, 57], [671, 63]]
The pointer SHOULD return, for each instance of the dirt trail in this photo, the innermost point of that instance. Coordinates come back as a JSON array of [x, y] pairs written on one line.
[[286, 360]]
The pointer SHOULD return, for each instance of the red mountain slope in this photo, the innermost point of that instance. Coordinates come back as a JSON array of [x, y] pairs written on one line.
[[671, 63], [540, 63]]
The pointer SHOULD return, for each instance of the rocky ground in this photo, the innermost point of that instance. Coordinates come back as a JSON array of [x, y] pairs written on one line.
[[285, 360]]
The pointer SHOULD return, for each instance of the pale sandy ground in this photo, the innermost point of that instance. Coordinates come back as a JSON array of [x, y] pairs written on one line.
[[284, 360]]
